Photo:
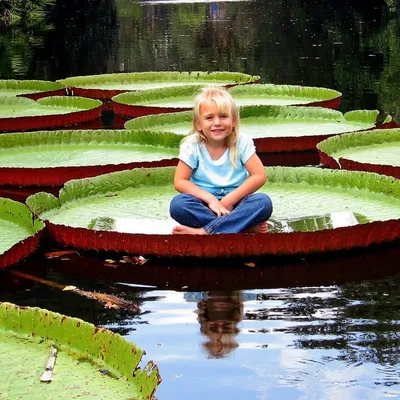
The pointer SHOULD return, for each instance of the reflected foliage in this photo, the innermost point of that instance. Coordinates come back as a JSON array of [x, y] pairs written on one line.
[[361, 321], [81, 41], [349, 46], [26, 13]]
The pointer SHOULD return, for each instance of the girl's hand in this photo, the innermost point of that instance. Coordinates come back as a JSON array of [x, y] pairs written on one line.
[[218, 208], [226, 203]]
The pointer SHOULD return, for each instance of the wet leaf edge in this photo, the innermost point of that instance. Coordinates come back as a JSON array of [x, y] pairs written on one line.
[[19, 214], [103, 347], [156, 76], [331, 146]]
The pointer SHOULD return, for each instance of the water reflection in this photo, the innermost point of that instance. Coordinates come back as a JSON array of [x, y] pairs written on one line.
[[219, 314], [306, 317], [324, 326], [345, 46]]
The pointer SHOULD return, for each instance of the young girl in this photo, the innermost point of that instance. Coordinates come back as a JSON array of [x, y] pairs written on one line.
[[218, 173]]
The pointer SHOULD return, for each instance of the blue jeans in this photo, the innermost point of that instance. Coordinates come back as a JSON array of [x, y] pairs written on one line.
[[188, 210]]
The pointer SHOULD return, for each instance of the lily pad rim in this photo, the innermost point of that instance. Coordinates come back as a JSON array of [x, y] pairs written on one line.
[[74, 81]]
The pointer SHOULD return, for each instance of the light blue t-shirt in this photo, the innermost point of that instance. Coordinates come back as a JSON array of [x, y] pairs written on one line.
[[218, 177]]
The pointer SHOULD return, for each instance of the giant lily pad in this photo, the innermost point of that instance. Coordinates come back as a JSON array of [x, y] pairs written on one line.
[[166, 100], [106, 86], [374, 151], [51, 158], [273, 128], [19, 232], [19, 114], [285, 95], [89, 362], [32, 89], [128, 211]]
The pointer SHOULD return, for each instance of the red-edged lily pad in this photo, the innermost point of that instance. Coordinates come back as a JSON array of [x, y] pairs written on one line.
[[273, 128], [128, 211], [105, 86], [20, 114], [50, 158], [166, 100], [32, 89], [19, 232], [374, 151], [46, 355]]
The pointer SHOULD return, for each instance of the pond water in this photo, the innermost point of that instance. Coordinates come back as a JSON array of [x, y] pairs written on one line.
[[316, 327]]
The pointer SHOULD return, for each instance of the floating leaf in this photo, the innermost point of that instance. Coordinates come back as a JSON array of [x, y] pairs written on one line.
[[374, 151], [165, 100], [83, 351], [273, 128], [138, 222], [19, 232], [106, 86]]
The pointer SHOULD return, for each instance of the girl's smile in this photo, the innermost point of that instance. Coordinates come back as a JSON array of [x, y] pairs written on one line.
[[215, 125]]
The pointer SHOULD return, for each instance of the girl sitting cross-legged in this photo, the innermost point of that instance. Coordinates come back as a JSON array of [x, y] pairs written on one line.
[[218, 173]]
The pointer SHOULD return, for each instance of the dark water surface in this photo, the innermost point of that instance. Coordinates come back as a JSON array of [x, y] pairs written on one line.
[[319, 327]]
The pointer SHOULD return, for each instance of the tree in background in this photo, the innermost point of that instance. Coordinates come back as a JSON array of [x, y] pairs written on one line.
[[24, 12]]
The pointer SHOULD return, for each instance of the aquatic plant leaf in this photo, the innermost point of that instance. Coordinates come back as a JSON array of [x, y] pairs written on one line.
[[374, 151], [18, 114], [16, 224], [285, 95], [143, 198], [91, 362], [147, 80], [14, 107], [51, 158], [274, 128], [32, 88], [171, 99]]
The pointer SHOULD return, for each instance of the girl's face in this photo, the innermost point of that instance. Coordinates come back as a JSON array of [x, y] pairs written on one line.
[[215, 125]]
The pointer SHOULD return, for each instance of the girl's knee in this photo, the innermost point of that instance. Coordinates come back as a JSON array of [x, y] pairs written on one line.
[[266, 205], [176, 205], [180, 205]]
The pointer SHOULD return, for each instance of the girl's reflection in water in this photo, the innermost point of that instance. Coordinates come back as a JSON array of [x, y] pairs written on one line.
[[219, 314]]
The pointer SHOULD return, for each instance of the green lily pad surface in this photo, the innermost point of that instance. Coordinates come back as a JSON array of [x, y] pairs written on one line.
[[19, 114], [274, 128], [16, 224], [378, 147], [258, 94], [66, 148], [51, 158], [377, 151], [151, 80], [137, 201], [106, 86], [11, 107], [89, 362], [19, 232], [269, 94], [11, 87]]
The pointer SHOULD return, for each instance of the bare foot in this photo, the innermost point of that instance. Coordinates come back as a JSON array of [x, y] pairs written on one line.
[[262, 227], [187, 230]]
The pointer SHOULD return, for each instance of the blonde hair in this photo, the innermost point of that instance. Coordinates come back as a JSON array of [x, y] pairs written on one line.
[[225, 104], [219, 317]]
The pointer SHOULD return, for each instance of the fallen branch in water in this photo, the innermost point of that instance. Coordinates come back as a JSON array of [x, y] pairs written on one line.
[[108, 300]]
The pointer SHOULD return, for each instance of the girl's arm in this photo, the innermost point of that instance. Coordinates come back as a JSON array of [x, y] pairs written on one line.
[[183, 184], [257, 178]]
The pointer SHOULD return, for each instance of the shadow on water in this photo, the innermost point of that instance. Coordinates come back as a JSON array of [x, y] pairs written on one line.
[[194, 274]]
